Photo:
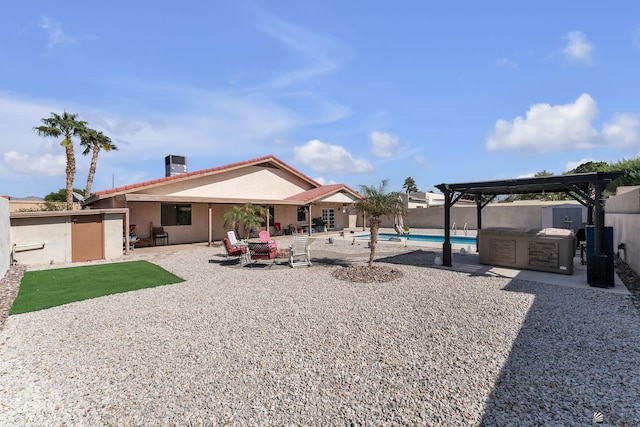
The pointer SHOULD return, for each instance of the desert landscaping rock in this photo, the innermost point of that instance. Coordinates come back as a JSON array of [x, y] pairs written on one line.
[[297, 346]]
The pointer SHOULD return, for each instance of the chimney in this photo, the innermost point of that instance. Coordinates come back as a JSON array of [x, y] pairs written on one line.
[[175, 165]]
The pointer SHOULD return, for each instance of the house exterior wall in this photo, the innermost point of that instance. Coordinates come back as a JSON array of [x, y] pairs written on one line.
[[212, 194], [5, 236], [252, 182], [143, 214]]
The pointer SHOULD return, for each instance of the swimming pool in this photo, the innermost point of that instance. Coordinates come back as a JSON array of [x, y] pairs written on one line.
[[459, 240]]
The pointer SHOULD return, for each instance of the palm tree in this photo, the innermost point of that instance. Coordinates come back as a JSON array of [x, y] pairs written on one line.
[[255, 216], [410, 185], [66, 126], [377, 203], [233, 218], [249, 215], [94, 141]]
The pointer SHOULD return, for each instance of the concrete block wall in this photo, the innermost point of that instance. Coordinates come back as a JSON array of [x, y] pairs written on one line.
[[514, 215], [5, 236], [622, 212]]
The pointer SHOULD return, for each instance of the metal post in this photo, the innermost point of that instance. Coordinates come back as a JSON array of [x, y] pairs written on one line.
[[599, 256], [479, 219], [446, 246]]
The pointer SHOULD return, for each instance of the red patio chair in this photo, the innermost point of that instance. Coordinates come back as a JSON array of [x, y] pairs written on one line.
[[238, 252]]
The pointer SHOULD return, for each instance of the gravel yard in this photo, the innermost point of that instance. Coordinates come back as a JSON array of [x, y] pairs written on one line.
[[282, 346]]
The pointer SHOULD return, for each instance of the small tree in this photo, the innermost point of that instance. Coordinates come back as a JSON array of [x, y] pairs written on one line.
[[249, 215], [377, 203]]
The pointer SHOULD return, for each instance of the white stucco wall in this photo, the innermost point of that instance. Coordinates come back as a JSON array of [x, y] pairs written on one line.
[[516, 215], [5, 236], [53, 234], [253, 182], [622, 212], [46, 236]]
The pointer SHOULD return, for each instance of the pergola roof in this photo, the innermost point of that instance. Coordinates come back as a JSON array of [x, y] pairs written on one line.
[[579, 182]]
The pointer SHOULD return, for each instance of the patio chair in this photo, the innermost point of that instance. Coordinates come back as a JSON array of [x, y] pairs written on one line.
[[265, 237], [299, 253], [231, 235], [158, 233], [239, 252], [262, 250]]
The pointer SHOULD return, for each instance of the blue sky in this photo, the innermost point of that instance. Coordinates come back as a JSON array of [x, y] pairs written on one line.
[[346, 92]]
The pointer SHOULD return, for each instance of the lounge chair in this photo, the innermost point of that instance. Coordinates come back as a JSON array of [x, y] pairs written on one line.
[[238, 252], [299, 253]]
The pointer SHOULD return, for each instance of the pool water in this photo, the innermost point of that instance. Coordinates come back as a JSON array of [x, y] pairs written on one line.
[[460, 240]]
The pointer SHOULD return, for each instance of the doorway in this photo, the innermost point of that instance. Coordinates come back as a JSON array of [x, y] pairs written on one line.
[[87, 241], [329, 218]]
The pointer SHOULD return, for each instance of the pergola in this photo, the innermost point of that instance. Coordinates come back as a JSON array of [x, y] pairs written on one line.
[[586, 188]]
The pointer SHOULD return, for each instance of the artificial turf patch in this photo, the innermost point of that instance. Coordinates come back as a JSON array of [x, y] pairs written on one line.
[[50, 288]]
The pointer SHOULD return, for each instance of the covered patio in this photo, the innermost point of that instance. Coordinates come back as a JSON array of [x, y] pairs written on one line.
[[586, 188]]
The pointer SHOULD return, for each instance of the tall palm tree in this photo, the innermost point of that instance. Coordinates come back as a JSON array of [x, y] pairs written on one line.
[[410, 185], [66, 126], [377, 203], [94, 141]]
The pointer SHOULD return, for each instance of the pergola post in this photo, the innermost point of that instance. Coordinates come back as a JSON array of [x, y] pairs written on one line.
[[599, 256], [479, 220], [446, 246]]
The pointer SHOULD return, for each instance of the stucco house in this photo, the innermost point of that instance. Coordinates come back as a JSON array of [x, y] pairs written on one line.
[[190, 205]]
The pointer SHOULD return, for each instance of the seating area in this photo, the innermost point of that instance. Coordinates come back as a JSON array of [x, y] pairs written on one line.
[[265, 248]]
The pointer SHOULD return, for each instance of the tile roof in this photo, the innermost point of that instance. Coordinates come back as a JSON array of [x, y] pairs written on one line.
[[188, 175], [316, 193]]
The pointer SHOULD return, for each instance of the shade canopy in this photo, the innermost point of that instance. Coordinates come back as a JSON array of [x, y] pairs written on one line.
[[577, 183]]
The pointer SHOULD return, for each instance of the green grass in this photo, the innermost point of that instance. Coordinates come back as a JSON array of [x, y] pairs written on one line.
[[51, 288]]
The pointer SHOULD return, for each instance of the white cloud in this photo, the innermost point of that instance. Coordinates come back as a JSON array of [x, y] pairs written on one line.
[[526, 175], [547, 128], [56, 33], [572, 165], [314, 50], [578, 50], [506, 62], [623, 130], [324, 181], [422, 161], [383, 144], [328, 158], [47, 165]]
